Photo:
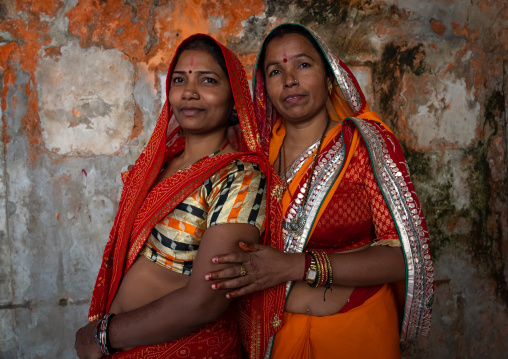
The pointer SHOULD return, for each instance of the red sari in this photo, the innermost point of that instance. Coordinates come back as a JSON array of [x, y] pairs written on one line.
[[138, 213], [362, 328]]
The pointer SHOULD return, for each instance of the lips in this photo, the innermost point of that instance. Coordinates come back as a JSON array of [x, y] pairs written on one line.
[[293, 98], [190, 111]]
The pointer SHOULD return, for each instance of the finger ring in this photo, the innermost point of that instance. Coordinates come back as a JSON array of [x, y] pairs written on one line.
[[242, 272]]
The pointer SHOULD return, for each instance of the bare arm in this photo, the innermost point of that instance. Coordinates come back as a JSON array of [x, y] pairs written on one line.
[[187, 309], [372, 266], [268, 267]]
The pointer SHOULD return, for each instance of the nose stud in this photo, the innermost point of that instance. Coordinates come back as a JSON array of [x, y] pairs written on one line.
[[296, 81]]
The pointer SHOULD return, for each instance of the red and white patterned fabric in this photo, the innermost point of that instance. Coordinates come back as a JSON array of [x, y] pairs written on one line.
[[138, 214]]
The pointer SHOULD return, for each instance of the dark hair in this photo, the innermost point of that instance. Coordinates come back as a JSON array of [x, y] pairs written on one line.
[[293, 29], [205, 44]]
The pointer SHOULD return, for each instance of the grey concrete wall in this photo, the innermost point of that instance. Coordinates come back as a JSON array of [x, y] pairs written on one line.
[[80, 85]]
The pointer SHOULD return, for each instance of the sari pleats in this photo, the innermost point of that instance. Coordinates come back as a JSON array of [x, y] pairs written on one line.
[[368, 331]]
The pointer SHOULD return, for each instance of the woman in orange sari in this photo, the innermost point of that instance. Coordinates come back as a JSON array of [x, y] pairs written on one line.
[[199, 186], [352, 224]]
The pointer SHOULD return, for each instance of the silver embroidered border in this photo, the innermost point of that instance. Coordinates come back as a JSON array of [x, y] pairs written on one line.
[[408, 219], [327, 170], [400, 200], [293, 169], [346, 84]]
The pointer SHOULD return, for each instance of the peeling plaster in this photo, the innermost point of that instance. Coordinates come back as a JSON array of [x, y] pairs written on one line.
[[450, 116], [162, 88], [435, 71], [101, 207], [363, 75], [85, 114]]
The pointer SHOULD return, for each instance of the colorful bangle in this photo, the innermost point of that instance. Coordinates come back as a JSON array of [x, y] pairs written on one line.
[[329, 274], [330, 270], [323, 269], [323, 278], [101, 335]]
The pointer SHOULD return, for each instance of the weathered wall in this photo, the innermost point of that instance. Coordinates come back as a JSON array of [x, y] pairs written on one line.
[[80, 85]]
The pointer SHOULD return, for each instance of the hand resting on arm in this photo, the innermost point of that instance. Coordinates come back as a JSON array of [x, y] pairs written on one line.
[[267, 267]]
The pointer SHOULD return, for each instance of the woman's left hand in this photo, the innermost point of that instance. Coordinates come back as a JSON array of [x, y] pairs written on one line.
[[264, 267], [85, 345]]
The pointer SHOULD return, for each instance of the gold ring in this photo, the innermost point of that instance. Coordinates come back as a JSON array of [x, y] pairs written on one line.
[[242, 272]]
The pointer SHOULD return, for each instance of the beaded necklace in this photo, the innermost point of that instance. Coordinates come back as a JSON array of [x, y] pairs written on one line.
[[214, 153], [201, 159], [296, 224]]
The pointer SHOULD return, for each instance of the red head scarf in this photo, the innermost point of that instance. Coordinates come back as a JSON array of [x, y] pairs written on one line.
[[136, 217]]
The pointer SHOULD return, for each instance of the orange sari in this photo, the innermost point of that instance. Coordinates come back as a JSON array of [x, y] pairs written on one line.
[[375, 326], [136, 217]]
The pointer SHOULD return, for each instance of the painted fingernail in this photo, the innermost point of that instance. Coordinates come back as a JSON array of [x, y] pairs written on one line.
[[242, 243], [228, 296], [208, 277], [215, 286], [215, 260]]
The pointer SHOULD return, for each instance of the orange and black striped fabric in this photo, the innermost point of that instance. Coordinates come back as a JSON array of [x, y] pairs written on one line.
[[234, 194]]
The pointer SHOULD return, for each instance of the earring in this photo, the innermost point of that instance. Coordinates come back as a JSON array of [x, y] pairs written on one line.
[[234, 117], [330, 87]]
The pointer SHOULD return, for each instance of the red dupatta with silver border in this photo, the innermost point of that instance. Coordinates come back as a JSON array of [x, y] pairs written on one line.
[[138, 213], [348, 107]]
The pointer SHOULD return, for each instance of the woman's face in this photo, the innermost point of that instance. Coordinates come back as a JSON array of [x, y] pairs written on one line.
[[295, 78], [200, 93]]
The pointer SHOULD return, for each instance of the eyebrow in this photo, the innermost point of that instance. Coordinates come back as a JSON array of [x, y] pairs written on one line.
[[302, 54], [199, 72]]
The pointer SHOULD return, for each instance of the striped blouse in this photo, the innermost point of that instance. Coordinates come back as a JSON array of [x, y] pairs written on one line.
[[234, 194]]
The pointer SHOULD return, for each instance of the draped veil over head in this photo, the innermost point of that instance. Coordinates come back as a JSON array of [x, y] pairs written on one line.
[[137, 214], [347, 106]]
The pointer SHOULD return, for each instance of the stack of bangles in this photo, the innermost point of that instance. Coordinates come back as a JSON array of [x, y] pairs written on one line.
[[101, 335], [318, 269]]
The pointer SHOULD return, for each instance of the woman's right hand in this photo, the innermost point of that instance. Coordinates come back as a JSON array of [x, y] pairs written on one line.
[[266, 267]]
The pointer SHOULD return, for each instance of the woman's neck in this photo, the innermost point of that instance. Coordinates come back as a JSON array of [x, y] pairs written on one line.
[[301, 135], [197, 147]]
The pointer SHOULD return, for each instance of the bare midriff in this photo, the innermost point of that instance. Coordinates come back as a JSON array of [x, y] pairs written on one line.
[[307, 300], [145, 282], [304, 299]]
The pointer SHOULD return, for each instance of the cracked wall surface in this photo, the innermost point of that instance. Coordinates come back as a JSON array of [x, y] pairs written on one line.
[[81, 84]]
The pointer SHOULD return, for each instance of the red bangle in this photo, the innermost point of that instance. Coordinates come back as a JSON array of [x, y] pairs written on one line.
[[307, 265], [323, 274]]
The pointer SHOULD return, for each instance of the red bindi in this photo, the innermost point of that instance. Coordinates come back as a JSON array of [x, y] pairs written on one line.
[[190, 71], [285, 60]]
